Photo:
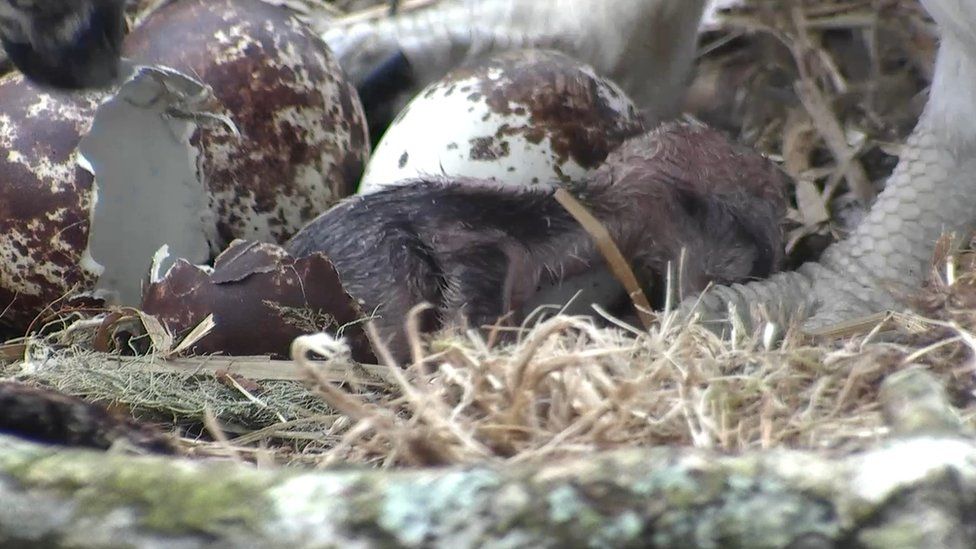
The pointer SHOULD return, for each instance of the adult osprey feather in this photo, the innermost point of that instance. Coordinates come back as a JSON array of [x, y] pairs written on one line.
[[65, 44]]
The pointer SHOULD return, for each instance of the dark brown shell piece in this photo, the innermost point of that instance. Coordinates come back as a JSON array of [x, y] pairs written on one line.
[[261, 298], [305, 141]]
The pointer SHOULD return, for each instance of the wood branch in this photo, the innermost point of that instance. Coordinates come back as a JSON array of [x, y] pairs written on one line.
[[915, 491], [258, 368]]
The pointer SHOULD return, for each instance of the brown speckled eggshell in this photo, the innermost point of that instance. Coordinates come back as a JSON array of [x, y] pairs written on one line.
[[305, 141], [45, 199], [522, 117]]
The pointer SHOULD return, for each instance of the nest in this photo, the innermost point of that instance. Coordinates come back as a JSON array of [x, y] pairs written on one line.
[[829, 88], [821, 86]]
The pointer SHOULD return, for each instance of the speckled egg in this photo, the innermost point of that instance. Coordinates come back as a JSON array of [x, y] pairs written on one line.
[[302, 146], [304, 141], [521, 117], [45, 198]]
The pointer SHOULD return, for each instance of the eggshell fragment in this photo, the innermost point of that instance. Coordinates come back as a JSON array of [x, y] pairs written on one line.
[[261, 298], [303, 141], [147, 192], [521, 117], [90, 185]]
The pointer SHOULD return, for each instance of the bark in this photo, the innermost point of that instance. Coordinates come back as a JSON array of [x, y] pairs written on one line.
[[917, 490]]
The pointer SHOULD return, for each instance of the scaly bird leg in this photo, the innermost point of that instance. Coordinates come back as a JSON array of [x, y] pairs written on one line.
[[932, 191]]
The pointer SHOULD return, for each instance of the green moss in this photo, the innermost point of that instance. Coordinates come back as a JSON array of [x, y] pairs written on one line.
[[623, 530], [749, 513], [173, 496], [16, 460], [564, 505], [582, 519], [679, 488]]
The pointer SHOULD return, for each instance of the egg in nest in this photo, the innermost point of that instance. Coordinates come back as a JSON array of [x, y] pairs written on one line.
[[521, 117]]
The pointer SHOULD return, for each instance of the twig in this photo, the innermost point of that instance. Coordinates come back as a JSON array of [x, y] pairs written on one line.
[[611, 253]]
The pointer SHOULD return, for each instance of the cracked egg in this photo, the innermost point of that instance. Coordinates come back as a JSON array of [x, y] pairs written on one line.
[[303, 140], [522, 117], [251, 133]]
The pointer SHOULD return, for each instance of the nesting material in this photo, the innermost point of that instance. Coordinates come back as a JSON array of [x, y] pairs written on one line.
[[568, 387], [829, 87]]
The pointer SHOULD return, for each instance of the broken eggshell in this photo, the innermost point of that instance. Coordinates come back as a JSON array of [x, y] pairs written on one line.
[[303, 142], [91, 185], [521, 117], [146, 191], [261, 298]]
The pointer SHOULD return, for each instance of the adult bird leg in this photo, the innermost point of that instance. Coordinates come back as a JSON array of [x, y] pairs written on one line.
[[931, 192], [645, 46]]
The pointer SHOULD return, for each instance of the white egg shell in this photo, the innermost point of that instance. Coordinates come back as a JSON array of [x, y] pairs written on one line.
[[520, 118]]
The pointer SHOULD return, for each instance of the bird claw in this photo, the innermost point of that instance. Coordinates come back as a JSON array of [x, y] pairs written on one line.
[[782, 299]]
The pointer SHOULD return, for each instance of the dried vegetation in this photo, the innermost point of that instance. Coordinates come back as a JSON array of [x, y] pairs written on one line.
[[827, 87]]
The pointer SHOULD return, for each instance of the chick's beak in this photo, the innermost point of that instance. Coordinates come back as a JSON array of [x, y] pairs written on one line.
[[73, 50]]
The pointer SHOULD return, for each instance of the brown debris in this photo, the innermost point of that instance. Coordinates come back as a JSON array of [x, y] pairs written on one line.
[[45, 415]]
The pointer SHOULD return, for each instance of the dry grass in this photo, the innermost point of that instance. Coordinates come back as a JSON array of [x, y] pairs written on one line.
[[566, 388], [830, 88], [822, 86], [569, 388]]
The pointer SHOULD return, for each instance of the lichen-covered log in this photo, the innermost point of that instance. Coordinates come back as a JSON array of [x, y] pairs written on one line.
[[915, 491], [918, 492]]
